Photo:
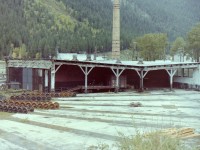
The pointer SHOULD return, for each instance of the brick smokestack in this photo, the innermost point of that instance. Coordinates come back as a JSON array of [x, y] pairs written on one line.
[[116, 30]]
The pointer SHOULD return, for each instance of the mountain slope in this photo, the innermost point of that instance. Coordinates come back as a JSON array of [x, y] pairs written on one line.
[[86, 25], [174, 17]]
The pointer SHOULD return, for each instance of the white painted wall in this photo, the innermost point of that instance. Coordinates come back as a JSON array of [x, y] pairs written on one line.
[[195, 80]]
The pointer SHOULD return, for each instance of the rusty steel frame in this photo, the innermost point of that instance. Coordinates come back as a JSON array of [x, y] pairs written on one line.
[[141, 70]]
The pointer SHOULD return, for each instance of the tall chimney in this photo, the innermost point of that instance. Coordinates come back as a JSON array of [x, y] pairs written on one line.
[[116, 30]]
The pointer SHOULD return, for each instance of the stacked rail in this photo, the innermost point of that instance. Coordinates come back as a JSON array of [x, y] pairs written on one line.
[[63, 94], [6, 106], [31, 97], [34, 104], [42, 96], [28, 101]]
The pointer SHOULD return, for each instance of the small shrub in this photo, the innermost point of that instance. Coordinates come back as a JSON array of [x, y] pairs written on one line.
[[25, 120], [100, 146], [153, 141]]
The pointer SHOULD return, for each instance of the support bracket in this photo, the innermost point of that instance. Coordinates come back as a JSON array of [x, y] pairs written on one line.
[[171, 74], [86, 70], [117, 72], [141, 74], [58, 68]]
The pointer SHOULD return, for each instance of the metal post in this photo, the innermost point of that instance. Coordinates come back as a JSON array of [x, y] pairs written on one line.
[[142, 75], [86, 79], [86, 70], [43, 80], [117, 74], [117, 80], [49, 80], [171, 83], [171, 73], [141, 81], [53, 76]]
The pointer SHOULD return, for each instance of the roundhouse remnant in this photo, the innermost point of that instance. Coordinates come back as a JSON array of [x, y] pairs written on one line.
[[101, 75]]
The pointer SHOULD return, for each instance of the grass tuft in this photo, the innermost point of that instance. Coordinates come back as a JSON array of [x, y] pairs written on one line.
[[154, 141]]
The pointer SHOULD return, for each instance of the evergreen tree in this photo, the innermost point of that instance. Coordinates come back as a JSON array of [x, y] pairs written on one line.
[[86, 25]]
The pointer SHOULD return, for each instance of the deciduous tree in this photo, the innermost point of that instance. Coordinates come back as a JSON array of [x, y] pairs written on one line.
[[194, 42], [178, 46], [152, 46]]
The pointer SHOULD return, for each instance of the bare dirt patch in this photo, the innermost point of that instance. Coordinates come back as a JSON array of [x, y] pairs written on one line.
[[5, 115]]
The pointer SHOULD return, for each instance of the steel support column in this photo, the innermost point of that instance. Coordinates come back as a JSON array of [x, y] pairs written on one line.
[[49, 80], [43, 80], [7, 72], [171, 73], [142, 74], [117, 72], [86, 70], [53, 75]]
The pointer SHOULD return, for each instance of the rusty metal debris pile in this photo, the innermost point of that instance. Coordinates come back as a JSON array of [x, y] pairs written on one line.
[[135, 104], [63, 94], [27, 102]]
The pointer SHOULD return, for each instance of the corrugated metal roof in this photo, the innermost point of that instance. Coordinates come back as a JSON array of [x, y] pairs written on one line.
[[103, 60]]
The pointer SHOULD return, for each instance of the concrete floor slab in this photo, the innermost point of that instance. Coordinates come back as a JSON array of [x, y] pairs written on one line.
[[92, 119]]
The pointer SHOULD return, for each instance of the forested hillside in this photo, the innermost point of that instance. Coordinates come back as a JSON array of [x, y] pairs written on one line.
[[41, 26]]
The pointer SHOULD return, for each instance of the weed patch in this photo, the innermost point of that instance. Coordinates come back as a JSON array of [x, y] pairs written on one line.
[[154, 141]]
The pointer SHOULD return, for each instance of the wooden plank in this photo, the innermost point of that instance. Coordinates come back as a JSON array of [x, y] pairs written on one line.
[[179, 133], [191, 136]]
